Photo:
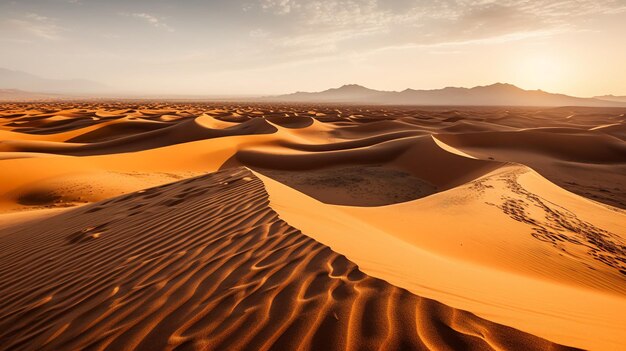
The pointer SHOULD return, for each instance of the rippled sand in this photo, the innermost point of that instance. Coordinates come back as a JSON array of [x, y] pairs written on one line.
[[247, 226]]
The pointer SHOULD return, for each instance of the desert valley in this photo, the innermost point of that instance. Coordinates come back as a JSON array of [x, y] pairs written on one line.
[[222, 226]]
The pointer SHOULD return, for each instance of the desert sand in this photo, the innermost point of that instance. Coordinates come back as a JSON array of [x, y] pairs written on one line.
[[225, 226]]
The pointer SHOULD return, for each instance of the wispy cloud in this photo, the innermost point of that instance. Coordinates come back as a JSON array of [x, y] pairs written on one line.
[[318, 27], [331, 26], [38, 25], [279, 6], [330, 14], [150, 19], [259, 33]]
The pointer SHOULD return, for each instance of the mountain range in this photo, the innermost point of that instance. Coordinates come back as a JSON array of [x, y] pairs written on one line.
[[611, 98], [26, 82], [498, 94]]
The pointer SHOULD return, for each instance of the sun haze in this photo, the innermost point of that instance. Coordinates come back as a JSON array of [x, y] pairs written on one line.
[[279, 46]]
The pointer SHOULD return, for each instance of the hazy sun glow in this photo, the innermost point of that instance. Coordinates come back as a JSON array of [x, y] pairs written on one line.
[[542, 71]]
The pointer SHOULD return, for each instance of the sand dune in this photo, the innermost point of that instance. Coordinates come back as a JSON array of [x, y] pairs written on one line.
[[272, 226], [482, 247], [417, 164], [572, 160], [561, 144], [186, 131], [205, 263]]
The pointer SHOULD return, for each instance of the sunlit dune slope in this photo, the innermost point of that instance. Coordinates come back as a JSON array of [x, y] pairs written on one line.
[[498, 246], [206, 263]]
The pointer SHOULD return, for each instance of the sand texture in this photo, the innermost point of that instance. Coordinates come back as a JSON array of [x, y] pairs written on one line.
[[228, 226]]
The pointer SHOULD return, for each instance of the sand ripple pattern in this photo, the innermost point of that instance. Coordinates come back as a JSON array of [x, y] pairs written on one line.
[[206, 264]]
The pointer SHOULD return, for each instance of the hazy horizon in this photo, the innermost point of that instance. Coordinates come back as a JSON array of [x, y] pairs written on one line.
[[267, 47]]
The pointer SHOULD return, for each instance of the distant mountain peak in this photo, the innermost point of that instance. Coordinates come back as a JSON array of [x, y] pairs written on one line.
[[352, 87], [450, 88], [499, 85]]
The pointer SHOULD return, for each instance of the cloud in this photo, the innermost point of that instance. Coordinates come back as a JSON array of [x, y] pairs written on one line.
[[329, 13], [280, 7], [316, 26], [150, 19], [110, 36], [259, 33], [38, 25], [330, 26]]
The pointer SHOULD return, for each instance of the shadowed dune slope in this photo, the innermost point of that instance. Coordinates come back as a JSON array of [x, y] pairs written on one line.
[[205, 263], [567, 145], [366, 172]]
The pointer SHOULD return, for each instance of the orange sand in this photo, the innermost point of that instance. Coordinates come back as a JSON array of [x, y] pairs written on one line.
[[325, 227]]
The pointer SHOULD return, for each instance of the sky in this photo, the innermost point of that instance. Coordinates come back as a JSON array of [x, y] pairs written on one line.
[[576, 47]]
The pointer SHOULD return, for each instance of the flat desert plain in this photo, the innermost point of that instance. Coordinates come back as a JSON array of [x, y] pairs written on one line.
[[228, 226]]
